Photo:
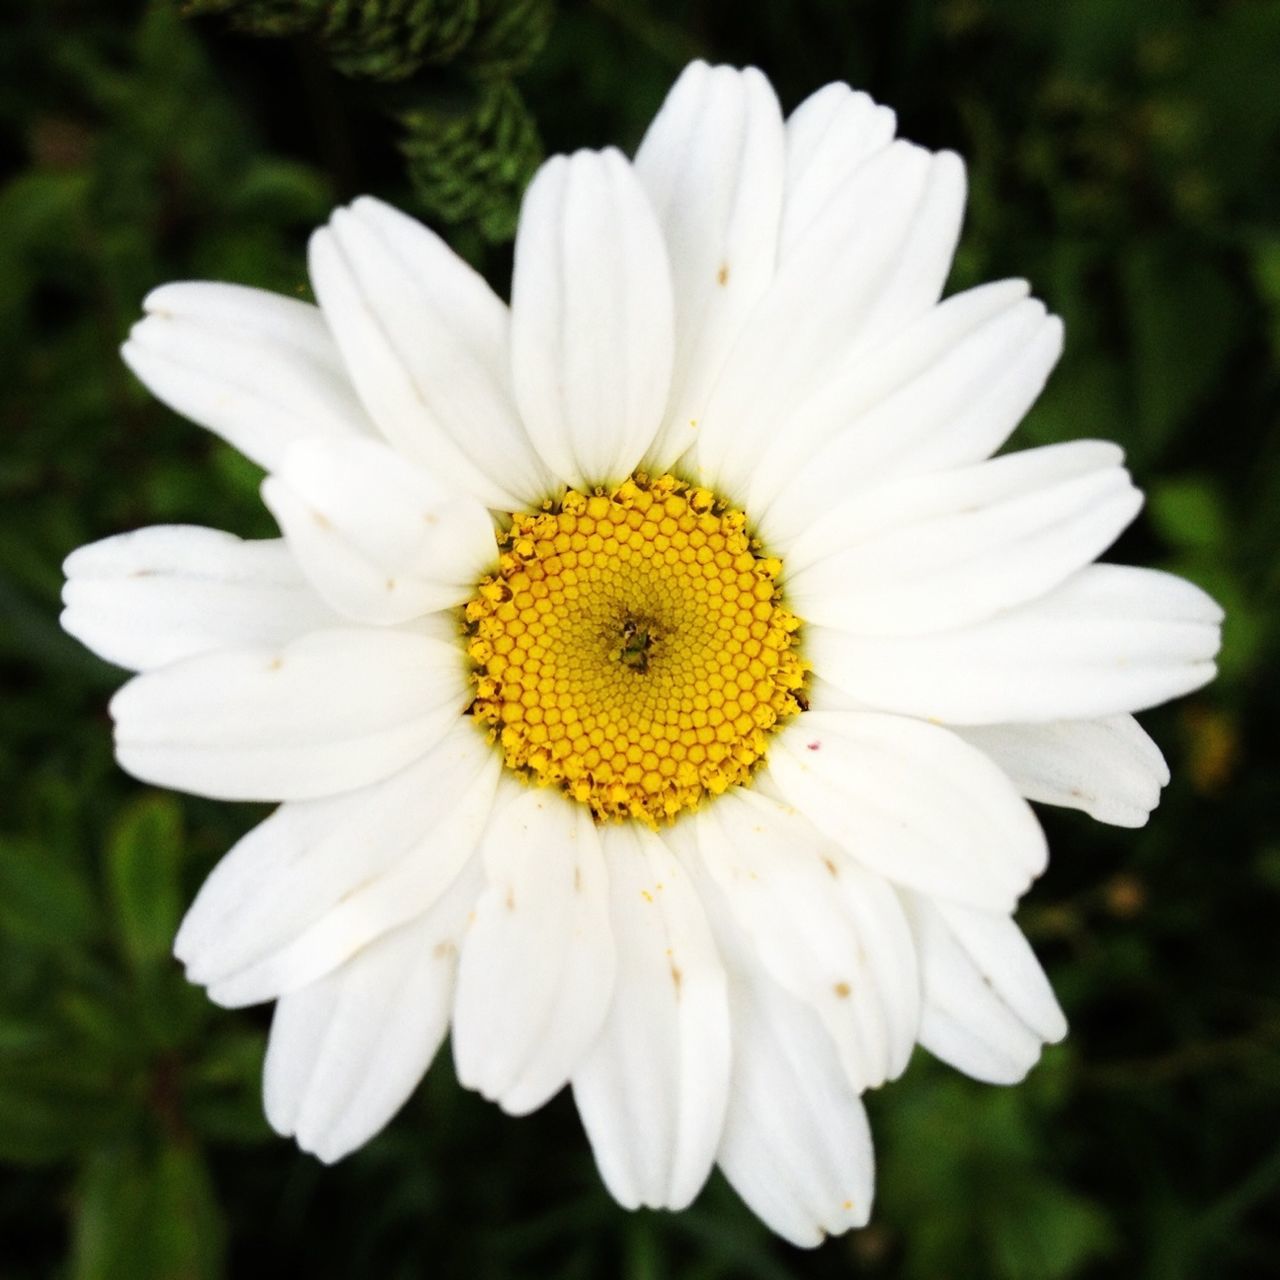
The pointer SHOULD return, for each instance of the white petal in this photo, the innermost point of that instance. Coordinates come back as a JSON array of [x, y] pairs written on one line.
[[924, 257], [425, 340], [796, 1145], [988, 1006], [830, 933], [712, 164], [1109, 639], [327, 713], [947, 393], [258, 369], [829, 135], [873, 260], [1003, 956], [856, 384], [145, 599], [1110, 768], [591, 317], [380, 538], [939, 551], [537, 970], [653, 1091], [912, 802], [901, 505], [319, 879], [346, 1052], [824, 696]]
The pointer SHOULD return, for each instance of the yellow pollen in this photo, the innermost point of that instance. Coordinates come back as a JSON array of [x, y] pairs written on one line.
[[632, 648]]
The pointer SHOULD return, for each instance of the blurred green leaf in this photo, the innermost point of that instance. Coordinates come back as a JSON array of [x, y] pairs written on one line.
[[1044, 1232], [42, 900], [143, 863], [147, 1217], [39, 212], [281, 191], [1189, 514], [1266, 273], [950, 1143]]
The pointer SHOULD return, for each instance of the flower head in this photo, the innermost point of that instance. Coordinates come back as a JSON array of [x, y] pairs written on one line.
[[653, 673]]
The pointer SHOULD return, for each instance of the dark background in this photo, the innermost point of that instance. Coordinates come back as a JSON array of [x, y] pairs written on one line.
[[1123, 156]]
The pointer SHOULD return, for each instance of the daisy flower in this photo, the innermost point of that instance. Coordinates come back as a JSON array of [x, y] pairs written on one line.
[[653, 673]]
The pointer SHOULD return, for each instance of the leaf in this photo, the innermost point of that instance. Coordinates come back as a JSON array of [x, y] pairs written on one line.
[[1044, 1232], [945, 1141], [147, 1217], [1188, 513], [1266, 275], [281, 191], [144, 855], [469, 165], [43, 901], [39, 212]]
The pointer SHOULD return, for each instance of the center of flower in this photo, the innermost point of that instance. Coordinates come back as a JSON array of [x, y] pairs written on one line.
[[632, 648]]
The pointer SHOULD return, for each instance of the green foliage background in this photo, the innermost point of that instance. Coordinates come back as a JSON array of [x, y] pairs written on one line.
[[1123, 156]]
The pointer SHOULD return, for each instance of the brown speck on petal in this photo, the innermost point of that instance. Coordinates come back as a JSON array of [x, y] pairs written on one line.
[[815, 745], [843, 990], [511, 900], [831, 867], [722, 276]]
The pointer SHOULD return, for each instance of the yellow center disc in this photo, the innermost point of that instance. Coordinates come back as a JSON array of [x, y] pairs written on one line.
[[632, 649]]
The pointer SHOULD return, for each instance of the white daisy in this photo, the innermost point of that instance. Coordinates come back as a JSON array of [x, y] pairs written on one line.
[[651, 672]]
